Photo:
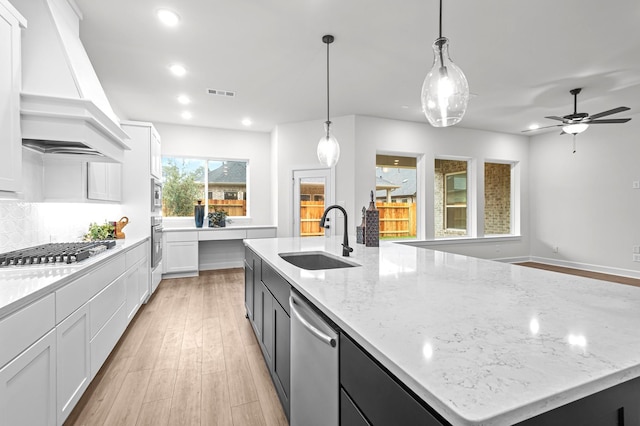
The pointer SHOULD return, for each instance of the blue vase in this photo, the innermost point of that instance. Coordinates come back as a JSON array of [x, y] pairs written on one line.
[[198, 212]]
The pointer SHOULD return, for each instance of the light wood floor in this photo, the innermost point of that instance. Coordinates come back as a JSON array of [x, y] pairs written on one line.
[[189, 357], [597, 275]]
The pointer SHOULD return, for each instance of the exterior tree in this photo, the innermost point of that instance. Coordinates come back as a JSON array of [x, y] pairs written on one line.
[[181, 188]]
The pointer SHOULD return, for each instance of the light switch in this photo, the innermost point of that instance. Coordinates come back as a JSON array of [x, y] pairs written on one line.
[[636, 184]]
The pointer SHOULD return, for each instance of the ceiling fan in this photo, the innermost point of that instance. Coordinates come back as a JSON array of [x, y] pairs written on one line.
[[578, 122]]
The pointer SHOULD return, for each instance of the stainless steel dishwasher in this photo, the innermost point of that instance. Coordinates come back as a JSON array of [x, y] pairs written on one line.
[[315, 384]]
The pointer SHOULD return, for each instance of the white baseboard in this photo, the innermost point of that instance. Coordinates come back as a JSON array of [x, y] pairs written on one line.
[[221, 265], [586, 267], [518, 259], [179, 275]]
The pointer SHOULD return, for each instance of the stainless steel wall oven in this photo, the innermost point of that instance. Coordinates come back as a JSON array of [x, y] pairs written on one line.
[[156, 241]]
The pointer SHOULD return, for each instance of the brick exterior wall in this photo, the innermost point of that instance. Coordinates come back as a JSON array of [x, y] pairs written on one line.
[[497, 198]]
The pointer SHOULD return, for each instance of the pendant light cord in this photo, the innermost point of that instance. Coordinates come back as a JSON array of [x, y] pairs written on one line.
[[440, 35], [328, 84], [440, 22]]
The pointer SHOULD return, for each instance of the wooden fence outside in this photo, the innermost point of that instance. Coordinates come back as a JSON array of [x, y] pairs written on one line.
[[310, 214], [232, 207], [396, 219]]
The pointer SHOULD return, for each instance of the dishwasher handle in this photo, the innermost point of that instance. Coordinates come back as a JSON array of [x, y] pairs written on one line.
[[313, 330]]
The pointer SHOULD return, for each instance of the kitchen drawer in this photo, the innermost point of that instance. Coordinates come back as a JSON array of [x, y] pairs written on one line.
[[349, 413], [136, 254], [180, 236], [376, 393], [106, 339], [106, 303], [78, 292], [222, 234], [261, 233], [277, 285], [19, 330]]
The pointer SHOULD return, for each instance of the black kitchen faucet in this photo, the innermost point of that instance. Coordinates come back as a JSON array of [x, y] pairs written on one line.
[[345, 244]]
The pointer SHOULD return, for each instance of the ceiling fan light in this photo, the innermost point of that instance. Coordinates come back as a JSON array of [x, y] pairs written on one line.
[[576, 128], [445, 91]]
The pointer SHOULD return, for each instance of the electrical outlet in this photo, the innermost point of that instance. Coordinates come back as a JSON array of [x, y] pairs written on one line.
[[635, 184], [555, 249], [636, 257]]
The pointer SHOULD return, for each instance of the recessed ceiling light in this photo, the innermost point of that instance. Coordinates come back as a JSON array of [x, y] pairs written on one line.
[[534, 126], [246, 122], [178, 70], [186, 115], [168, 17], [184, 99]]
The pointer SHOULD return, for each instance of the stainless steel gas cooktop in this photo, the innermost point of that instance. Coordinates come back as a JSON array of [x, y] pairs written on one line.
[[55, 253]]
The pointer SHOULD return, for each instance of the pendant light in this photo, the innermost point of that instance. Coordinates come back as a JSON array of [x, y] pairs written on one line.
[[445, 91], [328, 148]]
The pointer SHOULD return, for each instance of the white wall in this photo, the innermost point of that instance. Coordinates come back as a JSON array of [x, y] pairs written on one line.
[[584, 203], [233, 145]]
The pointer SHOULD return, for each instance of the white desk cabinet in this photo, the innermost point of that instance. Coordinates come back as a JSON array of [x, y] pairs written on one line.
[[180, 255], [10, 86]]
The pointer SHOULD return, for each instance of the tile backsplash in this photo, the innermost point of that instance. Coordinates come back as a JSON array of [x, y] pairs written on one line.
[[24, 224]]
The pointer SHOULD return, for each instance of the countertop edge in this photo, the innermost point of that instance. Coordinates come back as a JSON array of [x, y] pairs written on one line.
[[24, 301]]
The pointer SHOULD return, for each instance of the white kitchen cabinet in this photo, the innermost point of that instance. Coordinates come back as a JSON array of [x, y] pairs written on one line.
[[73, 360], [10, 85], [144, 281], [80, 181], [180, 253], [131, 283], [104, 181], [28, 385], [155, 154]]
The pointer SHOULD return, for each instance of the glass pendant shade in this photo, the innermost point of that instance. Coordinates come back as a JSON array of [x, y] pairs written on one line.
[[445, 91], [574, 129], [328, 148]]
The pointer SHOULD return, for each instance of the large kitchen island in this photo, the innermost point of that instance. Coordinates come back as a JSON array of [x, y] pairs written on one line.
[[478, 342]]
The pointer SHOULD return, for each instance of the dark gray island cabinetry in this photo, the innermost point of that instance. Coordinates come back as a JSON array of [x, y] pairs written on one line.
[[267, 304]]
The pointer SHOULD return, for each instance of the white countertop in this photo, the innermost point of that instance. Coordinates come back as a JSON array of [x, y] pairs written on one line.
[[21, 285], [206, 228], [482, 342]]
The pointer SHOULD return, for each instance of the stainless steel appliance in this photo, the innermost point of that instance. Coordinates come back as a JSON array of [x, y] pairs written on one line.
[[55, 253], [156, 241], [314, 367], [156, 195]]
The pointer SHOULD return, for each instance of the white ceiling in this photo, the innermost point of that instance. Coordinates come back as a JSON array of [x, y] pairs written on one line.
[[521, 58]]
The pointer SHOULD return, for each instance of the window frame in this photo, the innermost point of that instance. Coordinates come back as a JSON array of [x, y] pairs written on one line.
[[205, 193], [447, 206]]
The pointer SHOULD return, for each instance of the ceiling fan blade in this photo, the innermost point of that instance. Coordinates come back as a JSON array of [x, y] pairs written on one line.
[[611, 111], [555, 117], [610, 120], [545, 127]]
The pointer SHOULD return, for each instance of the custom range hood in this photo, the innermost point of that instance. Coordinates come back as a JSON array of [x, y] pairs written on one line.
[[64, 110]]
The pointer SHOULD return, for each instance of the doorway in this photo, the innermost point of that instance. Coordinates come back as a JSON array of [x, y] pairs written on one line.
[[312, 191]]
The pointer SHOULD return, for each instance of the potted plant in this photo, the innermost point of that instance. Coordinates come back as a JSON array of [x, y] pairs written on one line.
[[217, 218], [100, 232]]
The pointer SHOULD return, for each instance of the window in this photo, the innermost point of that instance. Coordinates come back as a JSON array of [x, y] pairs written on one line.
[[185, 182], [450, 198], [397, 196], [455, 201], [497, 199]]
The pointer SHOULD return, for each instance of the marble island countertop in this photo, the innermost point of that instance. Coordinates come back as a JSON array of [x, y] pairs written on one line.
[[482, 342], [21, 285]]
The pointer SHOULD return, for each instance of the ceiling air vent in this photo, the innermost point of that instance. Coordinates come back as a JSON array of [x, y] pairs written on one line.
[[225, 93]]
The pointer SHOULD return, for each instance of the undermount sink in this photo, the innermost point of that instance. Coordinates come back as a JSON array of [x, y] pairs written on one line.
[[315, 260]]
